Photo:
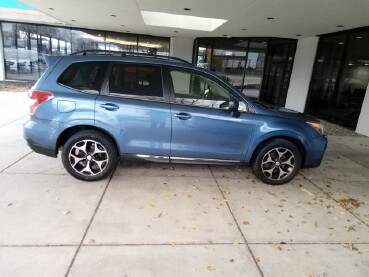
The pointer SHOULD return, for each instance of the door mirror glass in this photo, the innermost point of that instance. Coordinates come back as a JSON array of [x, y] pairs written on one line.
[[233, 105]]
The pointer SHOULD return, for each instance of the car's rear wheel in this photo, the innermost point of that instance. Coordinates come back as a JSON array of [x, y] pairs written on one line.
[[89, 155], [277, 162]]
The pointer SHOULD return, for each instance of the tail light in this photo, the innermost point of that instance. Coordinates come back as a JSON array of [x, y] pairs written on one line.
[[40, 97]]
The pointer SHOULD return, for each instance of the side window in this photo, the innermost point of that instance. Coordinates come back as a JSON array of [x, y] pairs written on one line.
[[84, 76], [196, 90], [142, 81]]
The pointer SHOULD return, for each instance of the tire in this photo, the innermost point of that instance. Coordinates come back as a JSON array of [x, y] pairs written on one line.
[[89, 155], [277, 162]]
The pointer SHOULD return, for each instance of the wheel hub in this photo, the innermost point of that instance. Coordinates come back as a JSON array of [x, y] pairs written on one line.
[[278, 163]]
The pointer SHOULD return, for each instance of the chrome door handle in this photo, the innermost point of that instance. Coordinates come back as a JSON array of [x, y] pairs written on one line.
[[182, 116], [109, 106]]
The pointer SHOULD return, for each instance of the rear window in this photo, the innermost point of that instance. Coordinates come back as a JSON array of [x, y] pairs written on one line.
[[143, 81], [84, 76]]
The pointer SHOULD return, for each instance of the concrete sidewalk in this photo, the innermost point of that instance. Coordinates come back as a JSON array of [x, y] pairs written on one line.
[[180, 220]]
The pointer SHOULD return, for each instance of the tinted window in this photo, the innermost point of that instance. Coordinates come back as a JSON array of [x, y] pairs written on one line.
[[84, 76], [196, 90], [136, 80]]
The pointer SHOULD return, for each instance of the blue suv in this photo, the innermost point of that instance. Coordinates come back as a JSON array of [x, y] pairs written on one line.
[[96, 107]]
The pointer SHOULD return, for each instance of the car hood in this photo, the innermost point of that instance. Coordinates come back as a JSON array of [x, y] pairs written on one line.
[[282, 112]]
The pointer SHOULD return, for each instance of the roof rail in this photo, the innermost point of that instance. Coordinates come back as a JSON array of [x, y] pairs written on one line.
[[126, 54]]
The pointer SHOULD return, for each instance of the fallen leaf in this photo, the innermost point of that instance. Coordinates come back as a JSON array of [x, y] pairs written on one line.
[[66, 212], [351, 228], [231, 260], [308, 275], [92, 241], [10, 204], [152, 205], [279, 247], [172, 243], [210, 268], [257, 259], [189, 196], [315, 224], [348, 203], [57, 198]]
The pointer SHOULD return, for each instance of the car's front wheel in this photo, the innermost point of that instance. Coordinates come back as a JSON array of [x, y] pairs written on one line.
[[89, 155], [277, 162]]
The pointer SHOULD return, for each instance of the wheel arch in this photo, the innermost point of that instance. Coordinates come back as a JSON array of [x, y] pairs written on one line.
[[67, 133], [300, 146]]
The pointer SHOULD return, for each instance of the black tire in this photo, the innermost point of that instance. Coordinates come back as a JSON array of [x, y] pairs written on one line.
[[96, 162], [273, 166]]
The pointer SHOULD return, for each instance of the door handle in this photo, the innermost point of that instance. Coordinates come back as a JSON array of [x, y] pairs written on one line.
[[182, 116], [109, 106]]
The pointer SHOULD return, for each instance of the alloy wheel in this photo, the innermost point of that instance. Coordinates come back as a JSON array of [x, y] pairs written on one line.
[[278, 163], [88, 157]]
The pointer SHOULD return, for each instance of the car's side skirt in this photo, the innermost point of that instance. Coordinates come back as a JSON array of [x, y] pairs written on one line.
[[166, 159]]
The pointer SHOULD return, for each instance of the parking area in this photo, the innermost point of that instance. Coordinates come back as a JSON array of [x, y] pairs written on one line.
[[180, 220]]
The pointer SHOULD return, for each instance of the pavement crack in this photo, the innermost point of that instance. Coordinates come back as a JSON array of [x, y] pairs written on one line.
[[10, 122], [238, 226], [91, 220], [15, 162]]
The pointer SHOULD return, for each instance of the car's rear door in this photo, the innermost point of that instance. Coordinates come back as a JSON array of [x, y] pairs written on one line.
[[201, 129], [134, 108]]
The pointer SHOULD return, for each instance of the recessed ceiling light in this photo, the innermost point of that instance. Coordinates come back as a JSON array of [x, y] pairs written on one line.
[[181, 21], [187, 9], [366, 63], [113, 15], [359, 37], [340, 43], [270, 18], [264, 42], [51, 9], [340, 26], [298, 35]]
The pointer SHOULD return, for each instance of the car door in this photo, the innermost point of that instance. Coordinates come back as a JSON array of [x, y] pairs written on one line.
[[134, 108], [203, 128]]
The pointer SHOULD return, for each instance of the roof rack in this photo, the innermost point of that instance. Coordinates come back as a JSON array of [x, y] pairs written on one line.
[[126, 54]]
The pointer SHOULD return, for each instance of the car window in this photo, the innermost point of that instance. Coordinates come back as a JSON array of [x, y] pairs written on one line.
[[197, 90], [143, 81], [84, 76]]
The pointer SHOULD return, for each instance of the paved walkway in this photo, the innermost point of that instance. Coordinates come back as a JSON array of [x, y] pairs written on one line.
[[180, 220]]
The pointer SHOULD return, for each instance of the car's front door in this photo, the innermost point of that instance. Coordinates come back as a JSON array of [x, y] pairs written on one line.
[[134, 108], [203, 129]]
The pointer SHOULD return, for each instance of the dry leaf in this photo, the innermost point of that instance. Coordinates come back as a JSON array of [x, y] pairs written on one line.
[[351, 228], [92, 241], [152, 205], [245, 222], [231, 260], [257, 259], [189, 196], [210, 268], [66, 212]]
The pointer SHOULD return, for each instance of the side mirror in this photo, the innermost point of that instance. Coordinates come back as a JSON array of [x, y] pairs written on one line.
[[233, 105], [233, 108]]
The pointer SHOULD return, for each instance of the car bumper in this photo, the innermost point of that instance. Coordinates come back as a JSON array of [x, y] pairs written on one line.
[[41, 135], [315, 152]]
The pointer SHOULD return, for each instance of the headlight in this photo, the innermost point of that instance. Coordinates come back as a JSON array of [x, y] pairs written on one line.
[[316, 126]]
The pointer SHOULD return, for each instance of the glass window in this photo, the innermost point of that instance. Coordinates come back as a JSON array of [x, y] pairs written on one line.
[[84, 76], [229, 59], [277, 71], [121, 42], [87, 39], [153, 45], [254, 68], [196, 90], [204, 52], [340, 78], [136, 80]]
